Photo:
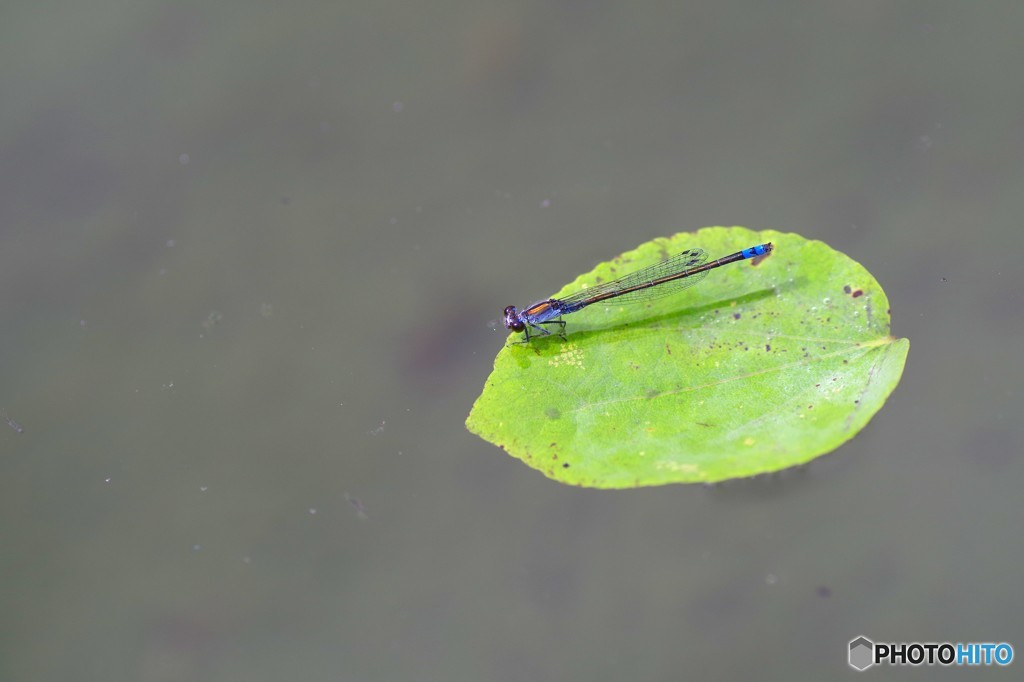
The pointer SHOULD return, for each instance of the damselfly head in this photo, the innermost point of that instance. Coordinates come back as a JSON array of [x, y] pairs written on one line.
[[512, 320]]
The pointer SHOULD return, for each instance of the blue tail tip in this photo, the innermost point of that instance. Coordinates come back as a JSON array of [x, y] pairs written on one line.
[[759, 250]]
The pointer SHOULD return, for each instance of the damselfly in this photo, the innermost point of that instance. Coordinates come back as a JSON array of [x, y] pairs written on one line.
[[661, 279]]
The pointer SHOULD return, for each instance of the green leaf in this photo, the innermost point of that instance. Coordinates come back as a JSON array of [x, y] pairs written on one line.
[[767, 364]]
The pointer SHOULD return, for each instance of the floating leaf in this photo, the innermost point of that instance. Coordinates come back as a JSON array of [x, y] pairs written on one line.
[[767, 364]]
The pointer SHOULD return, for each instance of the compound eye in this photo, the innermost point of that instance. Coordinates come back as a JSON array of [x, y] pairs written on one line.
[[512, 320]]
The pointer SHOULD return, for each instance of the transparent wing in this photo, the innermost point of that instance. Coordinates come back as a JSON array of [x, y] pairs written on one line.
[[677, 264]]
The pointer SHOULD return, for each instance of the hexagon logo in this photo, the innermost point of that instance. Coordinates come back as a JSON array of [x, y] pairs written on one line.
[[861, 653]]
